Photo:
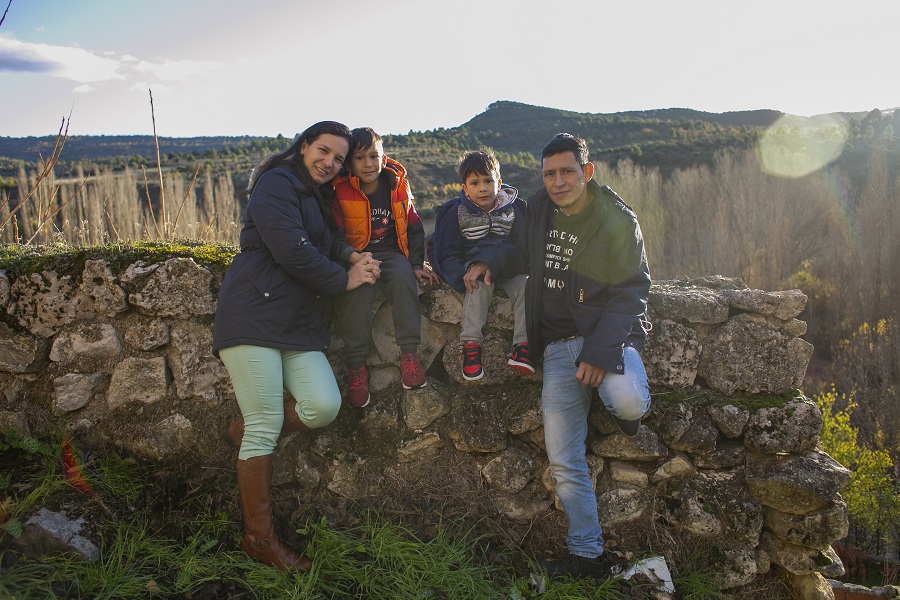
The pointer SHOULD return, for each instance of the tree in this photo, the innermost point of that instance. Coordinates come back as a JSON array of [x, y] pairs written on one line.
[[873, 494]]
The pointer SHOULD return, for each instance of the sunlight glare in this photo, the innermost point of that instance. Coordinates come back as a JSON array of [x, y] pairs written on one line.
[[796, 146]]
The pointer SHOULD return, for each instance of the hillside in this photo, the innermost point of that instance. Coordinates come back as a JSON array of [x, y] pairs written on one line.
[[667, 139]]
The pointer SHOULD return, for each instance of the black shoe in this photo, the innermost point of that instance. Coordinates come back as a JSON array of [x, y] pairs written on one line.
[[577, 567], [629, 428]]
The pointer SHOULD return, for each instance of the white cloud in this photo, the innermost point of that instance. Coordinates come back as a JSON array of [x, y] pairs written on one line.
[[84, 88], [179, 70], [59, 61], [85, 67], [159, 89]]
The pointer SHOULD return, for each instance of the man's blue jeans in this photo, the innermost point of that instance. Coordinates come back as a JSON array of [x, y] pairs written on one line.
[[566, 403]]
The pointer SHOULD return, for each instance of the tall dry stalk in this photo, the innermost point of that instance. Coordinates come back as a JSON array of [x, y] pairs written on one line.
[[162, 189], [3, 18], [46, 170]]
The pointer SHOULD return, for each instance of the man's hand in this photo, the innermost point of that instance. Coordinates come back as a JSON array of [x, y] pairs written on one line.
[[476, 270], [589, 374]]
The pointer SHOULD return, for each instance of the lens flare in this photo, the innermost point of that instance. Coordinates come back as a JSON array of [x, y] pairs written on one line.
[[796, 146]]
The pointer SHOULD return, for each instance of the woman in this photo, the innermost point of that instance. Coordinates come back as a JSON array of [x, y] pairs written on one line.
[[273, 319]]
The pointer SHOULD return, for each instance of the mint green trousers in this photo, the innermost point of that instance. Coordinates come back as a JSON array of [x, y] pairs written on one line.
[[260, 376]]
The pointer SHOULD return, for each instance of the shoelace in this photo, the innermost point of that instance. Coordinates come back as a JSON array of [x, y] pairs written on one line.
[[357, 381], [409, 365]]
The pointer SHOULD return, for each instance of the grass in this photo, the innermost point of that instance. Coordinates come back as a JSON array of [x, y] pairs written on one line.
[[194, 550], [66, 259]]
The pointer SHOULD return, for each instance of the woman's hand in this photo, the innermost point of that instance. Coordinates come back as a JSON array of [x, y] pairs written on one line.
[[365, 270]]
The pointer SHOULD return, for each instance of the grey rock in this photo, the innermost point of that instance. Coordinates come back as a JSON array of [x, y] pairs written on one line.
[[625, 474], [715, 504], [476, 426], [794, 427], [49, 531], [99, 292], [86, 341], [189, 357], [729, 419], [422, 407], [4, 289], [509, 472], [672, 354], [814, 529], [75, 390], [800, 560], [147, 335], [645, 446], [749, 354], [726, 455], [796, 483], [735, 567], [22, 352], [138, 380], [810, 586], [521, 508], [43, 303], [177, 288], [620, 506], [783, 305], [681, 301], [420, 447], [677, 466], [444, 305]]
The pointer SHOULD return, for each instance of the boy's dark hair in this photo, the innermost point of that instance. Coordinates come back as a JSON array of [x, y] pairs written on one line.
[[566, 142], [362, 138], [482, 162]]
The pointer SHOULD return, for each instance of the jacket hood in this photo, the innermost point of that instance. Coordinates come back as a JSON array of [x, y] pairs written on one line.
[[507, 196]]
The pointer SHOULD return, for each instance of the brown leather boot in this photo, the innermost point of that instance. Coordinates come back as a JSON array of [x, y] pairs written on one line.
[[260, 541], [292, 423]]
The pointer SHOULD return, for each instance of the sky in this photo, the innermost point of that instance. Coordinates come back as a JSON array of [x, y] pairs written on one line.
[[263, 68]]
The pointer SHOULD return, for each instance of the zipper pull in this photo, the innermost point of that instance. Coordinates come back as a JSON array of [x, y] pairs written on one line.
[[581, 295]]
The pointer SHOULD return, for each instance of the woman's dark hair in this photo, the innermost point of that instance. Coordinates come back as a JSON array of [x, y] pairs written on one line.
[[291, 158]]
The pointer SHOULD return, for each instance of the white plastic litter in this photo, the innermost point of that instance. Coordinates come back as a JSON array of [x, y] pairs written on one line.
[[656, 569]]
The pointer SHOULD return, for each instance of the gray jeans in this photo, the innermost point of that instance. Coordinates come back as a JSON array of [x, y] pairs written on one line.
[[477, 303], [401, 289]]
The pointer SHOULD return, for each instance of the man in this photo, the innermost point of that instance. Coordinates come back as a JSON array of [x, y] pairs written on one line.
[[586, 302]]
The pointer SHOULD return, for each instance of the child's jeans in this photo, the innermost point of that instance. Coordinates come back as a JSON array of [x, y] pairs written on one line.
[[398, 282], [477, 303]]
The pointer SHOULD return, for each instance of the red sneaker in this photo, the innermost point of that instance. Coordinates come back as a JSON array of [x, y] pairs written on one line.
[[472, 369], [358, 387], [520, 360], [411, 371]]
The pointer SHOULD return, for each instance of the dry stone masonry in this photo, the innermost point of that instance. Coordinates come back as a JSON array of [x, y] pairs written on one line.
[[728, 455]]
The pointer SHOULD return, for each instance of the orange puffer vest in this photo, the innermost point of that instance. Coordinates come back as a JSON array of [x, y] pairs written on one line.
[[357, 213]]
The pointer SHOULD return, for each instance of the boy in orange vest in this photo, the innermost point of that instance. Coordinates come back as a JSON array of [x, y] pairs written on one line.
[[374, 208]]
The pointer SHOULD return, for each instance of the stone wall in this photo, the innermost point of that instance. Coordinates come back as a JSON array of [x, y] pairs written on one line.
[[727, 457]]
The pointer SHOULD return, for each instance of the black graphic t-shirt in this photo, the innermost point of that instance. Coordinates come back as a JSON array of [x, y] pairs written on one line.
[[384, 233], [559, 247]]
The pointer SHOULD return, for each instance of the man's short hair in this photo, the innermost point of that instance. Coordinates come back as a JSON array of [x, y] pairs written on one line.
[[566, 142], [362, 138], [482, 162]]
